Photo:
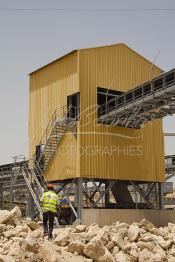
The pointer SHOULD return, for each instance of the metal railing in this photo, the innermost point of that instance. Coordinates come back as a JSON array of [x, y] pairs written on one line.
[[60, 115]]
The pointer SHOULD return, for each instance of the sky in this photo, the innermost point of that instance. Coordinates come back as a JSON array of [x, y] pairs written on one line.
[[33, 33]]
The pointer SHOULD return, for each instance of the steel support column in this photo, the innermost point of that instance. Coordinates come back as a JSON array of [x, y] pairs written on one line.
[[1, 197], [161, 195], [30, 210], [107, 197], [79, 198], [11, 195]]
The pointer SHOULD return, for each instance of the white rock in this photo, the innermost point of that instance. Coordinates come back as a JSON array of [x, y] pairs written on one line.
[[7, 244], [134, 254], [122, 257], [115, 250], [16, 212], [29, 255], [16, 231], [171, 227], [92, 231], [172, 251], [32, 224], [76, 246], [110, 245], [63, 239], [102, 235], [133, 233], [5, 216], [146, 256], [98, 252], [145, 245], [6, 258], [159, 254], [118, 240], [2, 227], [34, 234], [48, 253], [32, 245], [80, 228]]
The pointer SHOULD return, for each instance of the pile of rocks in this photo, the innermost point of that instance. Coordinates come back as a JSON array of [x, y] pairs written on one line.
[[23, 240]]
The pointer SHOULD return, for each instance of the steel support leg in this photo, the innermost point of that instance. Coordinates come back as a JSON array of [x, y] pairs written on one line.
[[1, 197], [11, 196], [79, 198], [107, 198], [30, 211], [161, 195]]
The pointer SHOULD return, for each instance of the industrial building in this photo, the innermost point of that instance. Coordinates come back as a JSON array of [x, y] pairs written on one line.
[[85, 149], [95, 130], [81, 79]]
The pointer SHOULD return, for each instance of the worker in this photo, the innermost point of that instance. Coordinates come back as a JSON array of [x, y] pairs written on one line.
[[50, 203]]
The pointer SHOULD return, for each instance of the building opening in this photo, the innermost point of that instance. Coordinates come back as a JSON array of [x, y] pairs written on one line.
[[106, 99], [73, 106]]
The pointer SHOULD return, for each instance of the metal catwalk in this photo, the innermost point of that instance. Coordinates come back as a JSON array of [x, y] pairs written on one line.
[[147, 102]]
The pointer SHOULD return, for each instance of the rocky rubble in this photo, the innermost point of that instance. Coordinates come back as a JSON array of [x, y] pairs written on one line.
[[23, 240]]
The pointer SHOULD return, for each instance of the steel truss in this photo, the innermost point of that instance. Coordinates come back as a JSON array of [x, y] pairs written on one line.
[[93, 193], [147, 102]]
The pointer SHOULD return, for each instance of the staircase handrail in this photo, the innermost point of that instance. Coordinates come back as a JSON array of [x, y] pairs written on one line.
[[40, 186], [58, 114]]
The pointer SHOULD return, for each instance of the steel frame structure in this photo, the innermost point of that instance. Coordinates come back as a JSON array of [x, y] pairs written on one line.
[[13, 189], [170, 166], [147, 102], [94, 193], [81, 193]]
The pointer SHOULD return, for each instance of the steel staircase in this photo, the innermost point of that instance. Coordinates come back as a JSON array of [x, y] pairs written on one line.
[[35, 182], [61, 120], [32, 171]]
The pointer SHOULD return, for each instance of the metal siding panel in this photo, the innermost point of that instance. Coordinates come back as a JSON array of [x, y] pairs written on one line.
[[119, 68], [49, 88]]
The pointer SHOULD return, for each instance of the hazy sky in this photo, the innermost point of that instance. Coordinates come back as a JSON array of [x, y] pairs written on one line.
[[32, 38]]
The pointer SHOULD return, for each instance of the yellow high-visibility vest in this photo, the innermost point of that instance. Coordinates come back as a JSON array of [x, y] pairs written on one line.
[[49, 201]]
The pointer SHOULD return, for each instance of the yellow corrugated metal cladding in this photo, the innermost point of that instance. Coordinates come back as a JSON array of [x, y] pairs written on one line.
[[49, 88], [100, 151]]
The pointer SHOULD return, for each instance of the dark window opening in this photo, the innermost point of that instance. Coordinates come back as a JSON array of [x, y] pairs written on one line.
[[73, 106], [39, 157], [147, 89], [169, 78], [121, 101], [158, 84], [106, 99], [173, 161], [129, 97], [138, 93]]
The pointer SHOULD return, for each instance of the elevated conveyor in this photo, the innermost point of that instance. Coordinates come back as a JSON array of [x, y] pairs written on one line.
[[147, 102]]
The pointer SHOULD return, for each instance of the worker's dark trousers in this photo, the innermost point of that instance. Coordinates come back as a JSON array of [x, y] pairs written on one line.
[[48, 221]]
